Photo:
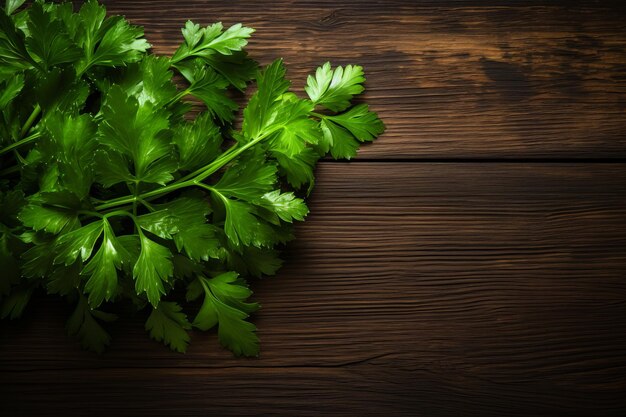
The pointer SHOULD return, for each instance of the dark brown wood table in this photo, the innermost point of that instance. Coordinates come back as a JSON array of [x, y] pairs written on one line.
[[471, 262]]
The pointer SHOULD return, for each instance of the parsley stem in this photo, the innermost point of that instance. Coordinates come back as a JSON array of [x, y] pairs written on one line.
[[179, 97], [154, 193], [19, 143], [318, 115], [192, 179], [90, 213], [226, 157], [119, 213], [31, 119]]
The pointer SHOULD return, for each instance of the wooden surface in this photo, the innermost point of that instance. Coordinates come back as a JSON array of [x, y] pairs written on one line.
[[471, 262]]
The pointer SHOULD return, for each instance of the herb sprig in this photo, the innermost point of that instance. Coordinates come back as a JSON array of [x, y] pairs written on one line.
[[113, 190]]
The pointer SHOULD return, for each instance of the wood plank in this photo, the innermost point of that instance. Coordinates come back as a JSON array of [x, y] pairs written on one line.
[[451, 79], [413, 289]]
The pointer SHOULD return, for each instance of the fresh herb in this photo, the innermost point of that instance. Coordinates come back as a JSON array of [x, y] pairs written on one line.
[[115, 189]]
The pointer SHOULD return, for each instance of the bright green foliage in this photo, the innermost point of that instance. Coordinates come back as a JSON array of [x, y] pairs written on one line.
[[113, 191], [152, 268], [334, 89], [203, 42], [12, 5], [105, 41], [102, 268]]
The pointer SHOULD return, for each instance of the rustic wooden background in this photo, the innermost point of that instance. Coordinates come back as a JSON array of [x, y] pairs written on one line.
[[471, 262]]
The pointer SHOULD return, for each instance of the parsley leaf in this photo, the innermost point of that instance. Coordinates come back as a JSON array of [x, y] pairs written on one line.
[[153, 267], [107, 41], [102, 268], [224, 305], [334, 89], [203, 42], [138, 131], [48, 41], [169, 324], [13, 5], [198, 143], [51, 211]]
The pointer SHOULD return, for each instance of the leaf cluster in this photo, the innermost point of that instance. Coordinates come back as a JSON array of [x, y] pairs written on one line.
[[115, 189]]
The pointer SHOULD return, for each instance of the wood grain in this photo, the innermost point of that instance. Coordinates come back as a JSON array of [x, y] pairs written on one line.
[[452, 79], [413, 289]]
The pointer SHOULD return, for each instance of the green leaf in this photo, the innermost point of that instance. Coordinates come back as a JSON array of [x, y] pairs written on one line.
[[107, 41], [198, 143], [153, 267], [13, 54], [139, 131], [199, 243], [242, 226], [38, 260], [249, 178], [71, 141], [168, 324], [210, 87], [51, 211], [10, 89], [64, 280], [162, 223], [237, 68], [295, 130], [339, 141], [150, 80], [185, 221], [284, 205], [48, 41], [12, 5], [224, 305], [363, 124], [203, 42], [334, 89], [102, 268], [79, 242], [297, 168], [261, 107], [112, 167], [59, 88], [83, 324], [254, 261]]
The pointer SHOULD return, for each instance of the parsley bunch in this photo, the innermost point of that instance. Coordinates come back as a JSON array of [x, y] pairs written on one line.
[[113, 189]]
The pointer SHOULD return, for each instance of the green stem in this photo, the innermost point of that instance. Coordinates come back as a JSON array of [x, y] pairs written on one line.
[[90, 213], [203, 173], [20, 143], [318, 115], [192, 179], [31, 119], [178, 97], [119, 213], [130, 199], [147, 205]]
